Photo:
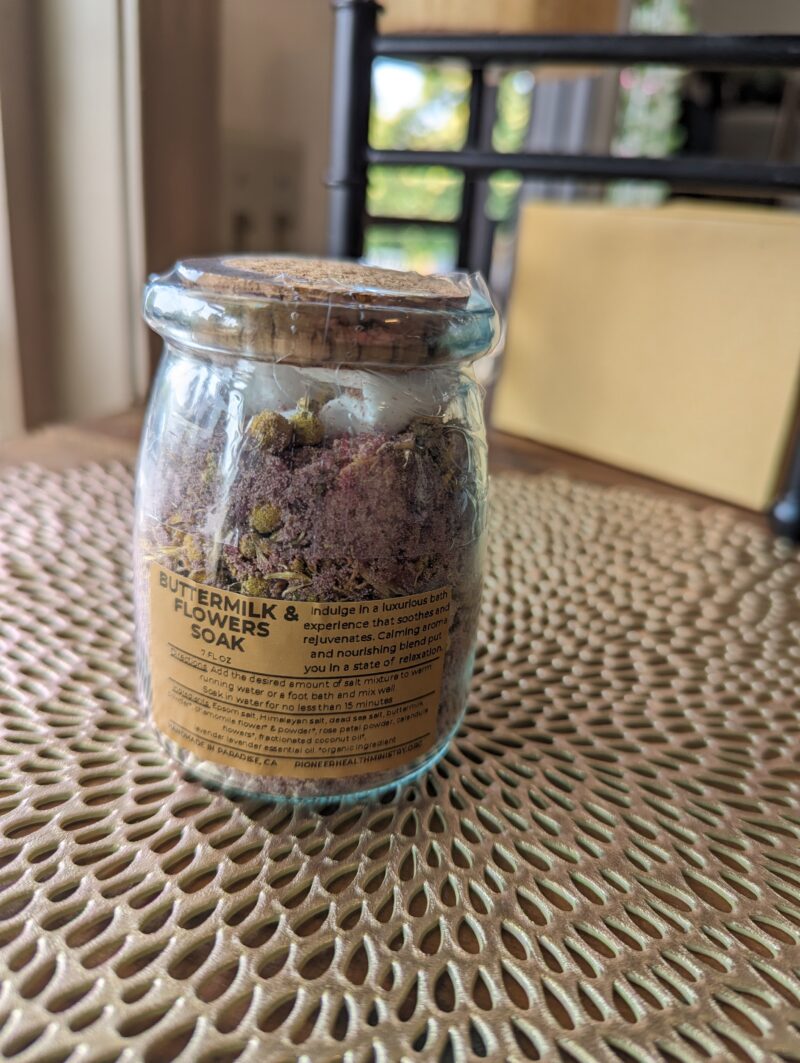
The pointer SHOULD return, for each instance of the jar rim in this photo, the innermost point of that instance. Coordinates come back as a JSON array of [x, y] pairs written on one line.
[[315, 311]]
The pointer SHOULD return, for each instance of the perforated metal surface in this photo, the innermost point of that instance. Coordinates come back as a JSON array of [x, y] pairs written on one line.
[[605, 866]]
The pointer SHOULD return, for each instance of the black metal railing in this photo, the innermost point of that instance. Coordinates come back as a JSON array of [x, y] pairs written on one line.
[[709, 51]]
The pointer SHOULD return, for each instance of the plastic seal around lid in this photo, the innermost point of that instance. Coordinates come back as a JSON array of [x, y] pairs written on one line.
[[317, 311]]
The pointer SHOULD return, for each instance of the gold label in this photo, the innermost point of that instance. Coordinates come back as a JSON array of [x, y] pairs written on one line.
[[305, 690]]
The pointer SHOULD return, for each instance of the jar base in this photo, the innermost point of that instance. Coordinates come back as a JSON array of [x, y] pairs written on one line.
[[212, 776]]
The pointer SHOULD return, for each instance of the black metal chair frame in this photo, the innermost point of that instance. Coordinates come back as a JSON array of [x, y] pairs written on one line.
[[357, 43]]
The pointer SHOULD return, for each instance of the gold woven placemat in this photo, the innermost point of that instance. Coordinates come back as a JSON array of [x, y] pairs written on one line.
[[604, 867]]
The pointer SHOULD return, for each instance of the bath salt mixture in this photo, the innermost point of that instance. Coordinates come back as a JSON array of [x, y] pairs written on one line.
[[353, 518], [310, 554]]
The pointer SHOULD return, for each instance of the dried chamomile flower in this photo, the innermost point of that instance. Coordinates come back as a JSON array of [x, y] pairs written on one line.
[[255, 586], [209, 470], [265, 519], [248, 547], [426, 430], [270, 430], [446, 444], [308, 428], [192, 548], [288, 576]]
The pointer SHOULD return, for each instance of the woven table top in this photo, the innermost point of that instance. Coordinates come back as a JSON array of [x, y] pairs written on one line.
[[605, 866]]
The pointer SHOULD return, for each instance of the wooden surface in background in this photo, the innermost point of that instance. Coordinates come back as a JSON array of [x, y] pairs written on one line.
[[64, 446], [117, 437], [500, 16]]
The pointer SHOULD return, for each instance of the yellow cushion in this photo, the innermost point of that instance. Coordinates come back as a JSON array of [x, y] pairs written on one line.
[[666, 341]]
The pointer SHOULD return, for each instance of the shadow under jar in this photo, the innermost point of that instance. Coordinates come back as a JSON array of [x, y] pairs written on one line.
[[310, 515]]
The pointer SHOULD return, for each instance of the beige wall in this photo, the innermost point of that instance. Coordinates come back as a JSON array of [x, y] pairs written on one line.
[[85, 206], [276, 70], [11, 410]]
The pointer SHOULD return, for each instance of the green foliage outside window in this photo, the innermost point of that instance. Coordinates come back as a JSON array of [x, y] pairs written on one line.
[[432, 192], [426, 107], [433, 113], [649, 101], [420, 247]]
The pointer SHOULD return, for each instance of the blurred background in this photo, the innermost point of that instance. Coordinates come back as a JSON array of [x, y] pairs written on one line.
[[134, 132]]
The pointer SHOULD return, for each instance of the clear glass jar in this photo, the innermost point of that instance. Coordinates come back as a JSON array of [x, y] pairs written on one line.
[[310, 513]]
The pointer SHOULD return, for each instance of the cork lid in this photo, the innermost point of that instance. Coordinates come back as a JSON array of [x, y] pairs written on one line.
[[316, 311]]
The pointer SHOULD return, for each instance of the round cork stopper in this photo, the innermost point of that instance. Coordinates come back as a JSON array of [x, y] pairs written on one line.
[[320, 278], [314, 310], [322, 312]]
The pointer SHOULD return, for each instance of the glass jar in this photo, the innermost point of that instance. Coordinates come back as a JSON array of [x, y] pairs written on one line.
[[310, 513]]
